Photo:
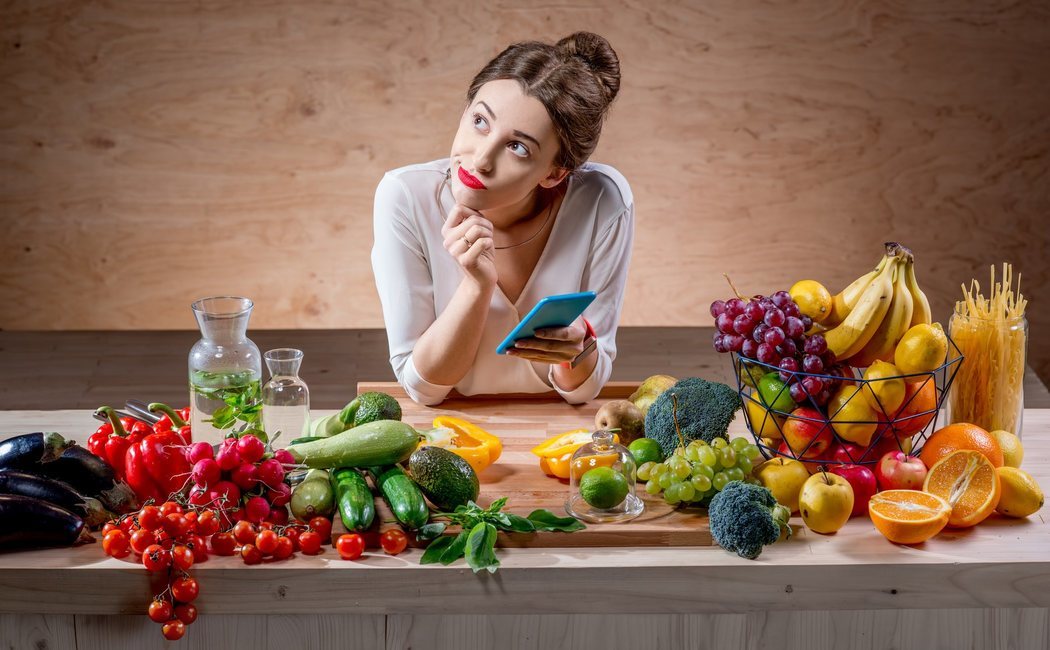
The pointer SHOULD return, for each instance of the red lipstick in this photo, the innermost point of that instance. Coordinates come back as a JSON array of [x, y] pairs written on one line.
[[470, 181]]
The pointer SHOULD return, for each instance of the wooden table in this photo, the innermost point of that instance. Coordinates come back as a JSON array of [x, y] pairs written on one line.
[[984, 587]]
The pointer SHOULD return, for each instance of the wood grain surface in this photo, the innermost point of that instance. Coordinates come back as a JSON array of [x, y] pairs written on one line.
[[153, 156], [521, 424]]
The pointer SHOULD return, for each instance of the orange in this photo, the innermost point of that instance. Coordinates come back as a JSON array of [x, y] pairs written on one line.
[[908, 516], [919, 397], [969, 483], [959, 436]]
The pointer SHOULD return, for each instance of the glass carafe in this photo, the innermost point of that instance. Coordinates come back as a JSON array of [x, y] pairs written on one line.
[[225, 367], [602, 481], [286, 398]]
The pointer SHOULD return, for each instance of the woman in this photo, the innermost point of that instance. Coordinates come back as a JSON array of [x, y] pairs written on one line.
[[466, 245]]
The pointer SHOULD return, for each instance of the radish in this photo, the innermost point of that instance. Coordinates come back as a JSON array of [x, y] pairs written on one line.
[[198, 496], [278, 516], [206, 472], [256, 509], [284, 457], [270, 472], [251, 449], [243, 476], [280, 495], [227, 490], [199, 451], [228, 456]]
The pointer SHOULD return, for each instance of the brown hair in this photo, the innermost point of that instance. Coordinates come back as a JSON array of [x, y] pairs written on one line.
[[575, 79]]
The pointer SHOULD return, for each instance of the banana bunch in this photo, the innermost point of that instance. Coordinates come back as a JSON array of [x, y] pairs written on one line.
[[871, 315]]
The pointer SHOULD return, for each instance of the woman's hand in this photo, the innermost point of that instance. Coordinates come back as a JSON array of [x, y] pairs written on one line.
[[553, 345], [468, 238]]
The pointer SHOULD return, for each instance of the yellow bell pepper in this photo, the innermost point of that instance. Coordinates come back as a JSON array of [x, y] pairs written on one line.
[[556, 453], [465, 439]]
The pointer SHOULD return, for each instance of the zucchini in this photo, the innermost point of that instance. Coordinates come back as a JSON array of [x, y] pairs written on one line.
[[313, 497], [25, 521], [299, 441], [357, 507], [383, 442], [402, 495]]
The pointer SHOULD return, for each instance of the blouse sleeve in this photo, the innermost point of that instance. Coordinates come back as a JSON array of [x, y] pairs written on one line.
[[607, 277], [405, 286]]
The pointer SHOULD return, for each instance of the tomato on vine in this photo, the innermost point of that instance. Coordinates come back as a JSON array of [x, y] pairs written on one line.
[[393, 541], [160, 611]]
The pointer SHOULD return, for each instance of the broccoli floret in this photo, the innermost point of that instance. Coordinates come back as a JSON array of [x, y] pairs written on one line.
[[745, 517], [698, 408]]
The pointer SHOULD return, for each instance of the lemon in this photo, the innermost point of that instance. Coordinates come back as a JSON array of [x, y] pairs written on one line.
[[885, 388], [851, 416], [763, 423], [603, 488], [812, 298], [1013, 452], [646, 450], [1021, 495], [922, 348]]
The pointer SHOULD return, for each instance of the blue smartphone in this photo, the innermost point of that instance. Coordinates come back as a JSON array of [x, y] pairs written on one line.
[[552, 311]]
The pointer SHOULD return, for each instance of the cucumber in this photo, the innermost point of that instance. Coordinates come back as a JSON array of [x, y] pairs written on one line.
[[402, 495], [384, 442], [357, 508], [313, 497]]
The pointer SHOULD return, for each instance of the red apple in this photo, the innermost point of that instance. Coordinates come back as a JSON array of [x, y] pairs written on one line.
[[863, 482], [808, 429], [898, 471], [847, 453]]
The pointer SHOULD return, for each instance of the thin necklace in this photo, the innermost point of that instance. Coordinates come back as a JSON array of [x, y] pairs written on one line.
[[550, 213]]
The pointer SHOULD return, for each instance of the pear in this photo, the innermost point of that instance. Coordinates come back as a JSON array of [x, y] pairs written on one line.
[[623, 415], [650, 389]]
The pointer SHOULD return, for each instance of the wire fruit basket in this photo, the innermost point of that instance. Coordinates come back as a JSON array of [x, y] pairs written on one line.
[[825, 435]]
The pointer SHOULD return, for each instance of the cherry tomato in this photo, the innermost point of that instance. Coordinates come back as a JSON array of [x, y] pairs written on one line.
[[141, 540], [181, 557], [160, 611], [293, 535], [199, 547], [156, 559], [192, 517], [251, 554], [163, 538], [350, 546], [186, 613], [284, 548], [185, 589], [177, 525], [322, 526], [173, 629], [116, 544], [170, 508], [150, 517], [266, 541], [393, 541], [223, 544], [128, 525], [244, 532], [207, 523], [310, 543], [110, 525]]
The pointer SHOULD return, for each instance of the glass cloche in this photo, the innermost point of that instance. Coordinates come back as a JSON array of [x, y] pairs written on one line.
[[602, 482]]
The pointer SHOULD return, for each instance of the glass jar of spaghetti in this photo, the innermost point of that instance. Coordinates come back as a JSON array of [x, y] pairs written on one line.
[[992, 335]]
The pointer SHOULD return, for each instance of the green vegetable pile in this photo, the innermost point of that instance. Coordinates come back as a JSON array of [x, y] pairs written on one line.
[[692, 409]]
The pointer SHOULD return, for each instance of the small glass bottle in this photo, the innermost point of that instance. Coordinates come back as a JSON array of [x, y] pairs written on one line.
[[286, 399], [225, 365], [602, 481]]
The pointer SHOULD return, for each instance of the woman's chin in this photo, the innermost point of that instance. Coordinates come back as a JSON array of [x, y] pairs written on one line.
[[469, 198]]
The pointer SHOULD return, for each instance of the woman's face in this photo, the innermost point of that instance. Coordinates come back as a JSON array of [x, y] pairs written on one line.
[[505, 147]]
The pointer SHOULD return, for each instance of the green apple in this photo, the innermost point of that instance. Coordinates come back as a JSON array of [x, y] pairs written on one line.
[[784, 477], [826, 502]]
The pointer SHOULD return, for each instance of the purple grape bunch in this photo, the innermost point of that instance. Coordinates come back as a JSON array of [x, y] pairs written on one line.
[[772, 330]]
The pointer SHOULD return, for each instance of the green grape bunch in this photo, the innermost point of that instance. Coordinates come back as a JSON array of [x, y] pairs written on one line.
[[698, 471]]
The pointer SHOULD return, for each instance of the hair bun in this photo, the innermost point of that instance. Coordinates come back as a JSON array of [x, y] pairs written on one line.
[[599, 56]]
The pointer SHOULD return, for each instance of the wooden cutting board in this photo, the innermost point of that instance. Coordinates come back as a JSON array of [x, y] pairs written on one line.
[[522, 422]]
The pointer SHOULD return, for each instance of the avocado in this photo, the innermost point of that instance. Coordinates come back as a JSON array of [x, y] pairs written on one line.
[[445, 478], [370, 407]]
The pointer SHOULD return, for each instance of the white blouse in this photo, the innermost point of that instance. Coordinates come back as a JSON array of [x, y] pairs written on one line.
[[589, 249]]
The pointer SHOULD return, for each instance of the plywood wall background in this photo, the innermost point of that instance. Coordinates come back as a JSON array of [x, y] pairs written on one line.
[[157, 152]]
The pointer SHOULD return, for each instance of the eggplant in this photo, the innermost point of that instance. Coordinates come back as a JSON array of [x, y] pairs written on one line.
[[91, 476], [25, 521], [13, 481], [29, 450]]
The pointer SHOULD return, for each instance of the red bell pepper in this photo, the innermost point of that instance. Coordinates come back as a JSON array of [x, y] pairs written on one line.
[[110, 441], [138, 477], [172, 420], [164, 459]]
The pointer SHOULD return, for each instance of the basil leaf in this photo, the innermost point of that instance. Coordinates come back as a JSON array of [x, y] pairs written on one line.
[[430, 531], [455, 549], [547, 520], [498, 504], [519, 524], [481, 548], [499, 519], [434, 552]]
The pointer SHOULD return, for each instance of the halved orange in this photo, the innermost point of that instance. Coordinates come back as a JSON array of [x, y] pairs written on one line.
[[908, 516], [967, 480]]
